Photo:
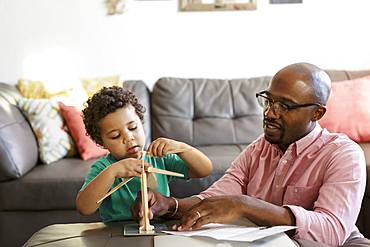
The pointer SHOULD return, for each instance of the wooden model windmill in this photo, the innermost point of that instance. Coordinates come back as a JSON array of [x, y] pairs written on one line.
[[151, 182]]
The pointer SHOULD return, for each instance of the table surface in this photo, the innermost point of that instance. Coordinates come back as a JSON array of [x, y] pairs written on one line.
[[92, 234], [106, 234]]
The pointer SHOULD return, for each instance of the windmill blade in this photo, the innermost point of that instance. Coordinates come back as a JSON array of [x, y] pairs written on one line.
[[164, 172], [152, 181]]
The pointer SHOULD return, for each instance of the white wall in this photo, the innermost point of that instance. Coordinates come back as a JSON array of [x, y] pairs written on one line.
[[152, 39]]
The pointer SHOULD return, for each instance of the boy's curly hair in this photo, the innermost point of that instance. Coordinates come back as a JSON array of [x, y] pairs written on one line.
[[105, 101]]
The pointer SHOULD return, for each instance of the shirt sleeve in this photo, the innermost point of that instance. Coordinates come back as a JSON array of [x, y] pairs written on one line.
[[97, 167], [338, 204], [176, 164]]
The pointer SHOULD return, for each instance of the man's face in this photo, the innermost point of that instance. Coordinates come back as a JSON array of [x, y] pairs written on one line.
[[287, 88]]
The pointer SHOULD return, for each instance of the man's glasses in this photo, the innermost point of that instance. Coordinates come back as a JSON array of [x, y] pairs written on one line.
[[278, 107]]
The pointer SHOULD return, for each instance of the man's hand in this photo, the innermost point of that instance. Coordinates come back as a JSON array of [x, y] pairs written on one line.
[[158, 206], [228, 208], [217, 209]]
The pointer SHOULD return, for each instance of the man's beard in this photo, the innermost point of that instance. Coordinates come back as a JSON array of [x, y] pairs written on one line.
[[278, 141], [282, 134]]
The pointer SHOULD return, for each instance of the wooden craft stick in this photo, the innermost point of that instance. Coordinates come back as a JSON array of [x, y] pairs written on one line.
[[146, 227], [175, 151], [115, 188], [164, 172]]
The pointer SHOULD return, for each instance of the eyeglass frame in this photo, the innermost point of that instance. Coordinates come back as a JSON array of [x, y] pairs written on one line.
[[272, 102]]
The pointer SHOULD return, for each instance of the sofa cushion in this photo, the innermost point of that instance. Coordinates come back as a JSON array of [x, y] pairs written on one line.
[[195, 110], [86, 146], [18, 147], [46, 187], [345, 112]]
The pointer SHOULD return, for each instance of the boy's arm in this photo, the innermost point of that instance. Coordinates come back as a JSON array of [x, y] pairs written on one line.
[[199, 164], [93, 191], [86, 201]]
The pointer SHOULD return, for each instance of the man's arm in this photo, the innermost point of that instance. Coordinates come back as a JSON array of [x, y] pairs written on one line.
[[223, 209], [217, 209]]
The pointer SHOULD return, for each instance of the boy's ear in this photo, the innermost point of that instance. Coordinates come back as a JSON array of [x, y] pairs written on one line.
[[319, 113]]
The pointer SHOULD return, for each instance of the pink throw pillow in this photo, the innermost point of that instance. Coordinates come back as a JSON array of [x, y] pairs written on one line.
[[86, 147], [348, 109]]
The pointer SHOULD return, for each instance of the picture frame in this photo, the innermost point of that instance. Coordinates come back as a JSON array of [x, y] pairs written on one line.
[[217, 5], [285, 1]]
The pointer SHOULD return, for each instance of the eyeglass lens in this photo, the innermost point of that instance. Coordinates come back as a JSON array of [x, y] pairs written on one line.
[[266, 103]]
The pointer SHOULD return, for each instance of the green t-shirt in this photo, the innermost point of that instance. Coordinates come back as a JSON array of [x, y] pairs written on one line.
[[117, 206]]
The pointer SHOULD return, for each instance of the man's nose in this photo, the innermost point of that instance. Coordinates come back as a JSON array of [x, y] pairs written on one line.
[[270, 112]]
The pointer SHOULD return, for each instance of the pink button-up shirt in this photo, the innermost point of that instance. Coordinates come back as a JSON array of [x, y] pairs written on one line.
[[320, 177]]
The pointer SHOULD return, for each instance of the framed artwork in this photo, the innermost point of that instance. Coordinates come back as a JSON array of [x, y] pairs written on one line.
[[286, 1], [116, 6], [217, 5]]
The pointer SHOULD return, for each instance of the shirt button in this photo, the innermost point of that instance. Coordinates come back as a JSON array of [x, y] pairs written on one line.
[[285, 161], [277, 186], [295, 190]]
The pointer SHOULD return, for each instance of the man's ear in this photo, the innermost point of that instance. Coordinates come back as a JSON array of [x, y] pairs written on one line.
[[319, 113]]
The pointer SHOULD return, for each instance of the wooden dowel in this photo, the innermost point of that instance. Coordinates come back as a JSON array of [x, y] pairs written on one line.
[[115, 188], [164, 172]]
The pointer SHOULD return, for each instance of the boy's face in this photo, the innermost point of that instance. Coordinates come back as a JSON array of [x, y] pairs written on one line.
[[122, 133]]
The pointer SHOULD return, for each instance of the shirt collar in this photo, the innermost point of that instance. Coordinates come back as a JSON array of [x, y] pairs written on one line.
[[306, 141], [301, 144]]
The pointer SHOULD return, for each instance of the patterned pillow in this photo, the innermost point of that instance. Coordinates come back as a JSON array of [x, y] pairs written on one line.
[[91, 86], [47, 122]]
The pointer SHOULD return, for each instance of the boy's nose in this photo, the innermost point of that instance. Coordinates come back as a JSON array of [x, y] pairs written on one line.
[[128, 138]]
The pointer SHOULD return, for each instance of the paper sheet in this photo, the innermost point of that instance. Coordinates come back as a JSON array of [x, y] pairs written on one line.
[[280, 239], [233, 232]]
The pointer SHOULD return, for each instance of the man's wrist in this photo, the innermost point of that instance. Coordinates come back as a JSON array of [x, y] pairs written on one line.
[[173, 208]]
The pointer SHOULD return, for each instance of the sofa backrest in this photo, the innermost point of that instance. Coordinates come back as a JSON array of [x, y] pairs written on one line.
[[142, 92], [344, 75], [205, 112]]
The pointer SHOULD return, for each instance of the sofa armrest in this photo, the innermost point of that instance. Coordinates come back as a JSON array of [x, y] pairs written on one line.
[[18, 146]]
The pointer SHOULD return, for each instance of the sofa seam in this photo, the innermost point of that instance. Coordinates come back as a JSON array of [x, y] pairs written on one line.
[[233, 111], [193, 112]]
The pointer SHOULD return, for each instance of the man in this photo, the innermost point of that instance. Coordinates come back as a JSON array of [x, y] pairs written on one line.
[[295, 174]]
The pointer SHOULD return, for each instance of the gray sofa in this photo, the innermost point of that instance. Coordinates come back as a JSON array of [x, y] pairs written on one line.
[[220, 117]]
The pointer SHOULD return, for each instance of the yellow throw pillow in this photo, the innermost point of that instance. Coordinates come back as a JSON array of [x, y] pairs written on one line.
[[31, 89], [93, 85], [36, 90]]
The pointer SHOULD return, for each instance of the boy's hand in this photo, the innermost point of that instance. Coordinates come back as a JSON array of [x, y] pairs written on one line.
[[129, 167], [161, 146]]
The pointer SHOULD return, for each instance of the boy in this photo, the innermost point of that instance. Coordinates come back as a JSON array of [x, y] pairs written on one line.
[[114, 120]]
